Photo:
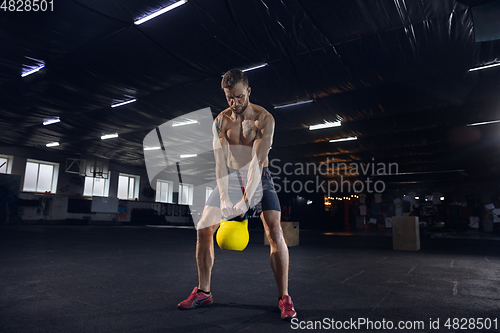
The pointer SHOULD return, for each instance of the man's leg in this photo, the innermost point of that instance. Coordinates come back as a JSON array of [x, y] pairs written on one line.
[[206, 228], [279, 250], [279, 260]]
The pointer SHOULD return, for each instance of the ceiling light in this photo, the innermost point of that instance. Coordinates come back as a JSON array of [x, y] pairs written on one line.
[[325, 125], [484, 123], [152, 148], [417, 198], [27, 70], [252, 68], [109, 136], [123, 103], [345, 139], [484, 67], [32, 71], [293, 104], [52, 144], [188, 155], [423, 172], [48, 121], [442, 198], [187, 122], [159, 12]]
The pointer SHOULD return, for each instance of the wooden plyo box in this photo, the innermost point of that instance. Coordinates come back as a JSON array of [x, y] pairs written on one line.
[[405, 233], [290, 233]]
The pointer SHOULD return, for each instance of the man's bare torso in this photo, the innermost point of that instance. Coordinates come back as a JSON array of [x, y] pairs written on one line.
[[242, 133]]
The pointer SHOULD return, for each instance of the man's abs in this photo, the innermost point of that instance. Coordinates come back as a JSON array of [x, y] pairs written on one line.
[[239, 157]]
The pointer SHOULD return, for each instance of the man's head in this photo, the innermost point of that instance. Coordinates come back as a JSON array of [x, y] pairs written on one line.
[[235, 86]]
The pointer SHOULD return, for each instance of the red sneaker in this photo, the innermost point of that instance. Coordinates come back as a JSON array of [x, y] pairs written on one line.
[[286, 306], [195, 300]]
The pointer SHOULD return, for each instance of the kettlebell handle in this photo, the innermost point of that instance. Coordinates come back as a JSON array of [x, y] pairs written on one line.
[[237, 218]]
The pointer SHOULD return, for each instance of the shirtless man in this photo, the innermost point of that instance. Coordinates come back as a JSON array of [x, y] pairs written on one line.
[[243, 134]]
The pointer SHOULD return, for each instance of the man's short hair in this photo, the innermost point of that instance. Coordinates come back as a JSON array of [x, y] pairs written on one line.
[[233, 77]]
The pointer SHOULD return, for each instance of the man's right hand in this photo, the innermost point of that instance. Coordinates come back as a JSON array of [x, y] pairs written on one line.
[[227, 208]]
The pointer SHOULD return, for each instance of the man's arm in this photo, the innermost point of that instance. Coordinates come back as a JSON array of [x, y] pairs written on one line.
[[220, 146], [260, 151]]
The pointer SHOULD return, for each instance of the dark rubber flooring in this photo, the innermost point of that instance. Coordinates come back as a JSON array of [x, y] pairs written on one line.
[[129, 279]]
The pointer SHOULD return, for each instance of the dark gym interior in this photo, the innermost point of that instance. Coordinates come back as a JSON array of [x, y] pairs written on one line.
[[385, 159]]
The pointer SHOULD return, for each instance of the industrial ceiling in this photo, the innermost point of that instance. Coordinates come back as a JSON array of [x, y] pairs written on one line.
[[395, 71]]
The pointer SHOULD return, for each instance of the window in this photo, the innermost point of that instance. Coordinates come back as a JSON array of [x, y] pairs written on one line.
[[185, 194], [208, 191], [164, 191], [128, 187], [40, 176], [96, 187], [5, 164]]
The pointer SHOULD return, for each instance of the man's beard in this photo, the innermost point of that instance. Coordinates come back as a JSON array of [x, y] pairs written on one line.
[[243, 108]]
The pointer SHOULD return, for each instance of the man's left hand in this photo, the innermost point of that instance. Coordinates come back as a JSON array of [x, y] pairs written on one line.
[[241, 208]]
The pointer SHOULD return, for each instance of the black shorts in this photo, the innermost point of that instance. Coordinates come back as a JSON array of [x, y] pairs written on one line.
[[237, 183]]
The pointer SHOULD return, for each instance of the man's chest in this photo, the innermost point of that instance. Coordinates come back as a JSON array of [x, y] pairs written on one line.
[[242, 133]]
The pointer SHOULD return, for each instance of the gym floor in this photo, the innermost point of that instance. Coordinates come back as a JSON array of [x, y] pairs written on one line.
[[129, 279]]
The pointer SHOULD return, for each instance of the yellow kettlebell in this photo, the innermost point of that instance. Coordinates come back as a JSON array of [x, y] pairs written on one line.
[[233, 235]]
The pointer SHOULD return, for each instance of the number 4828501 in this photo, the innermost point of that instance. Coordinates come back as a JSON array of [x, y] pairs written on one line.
[[27, 5]]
